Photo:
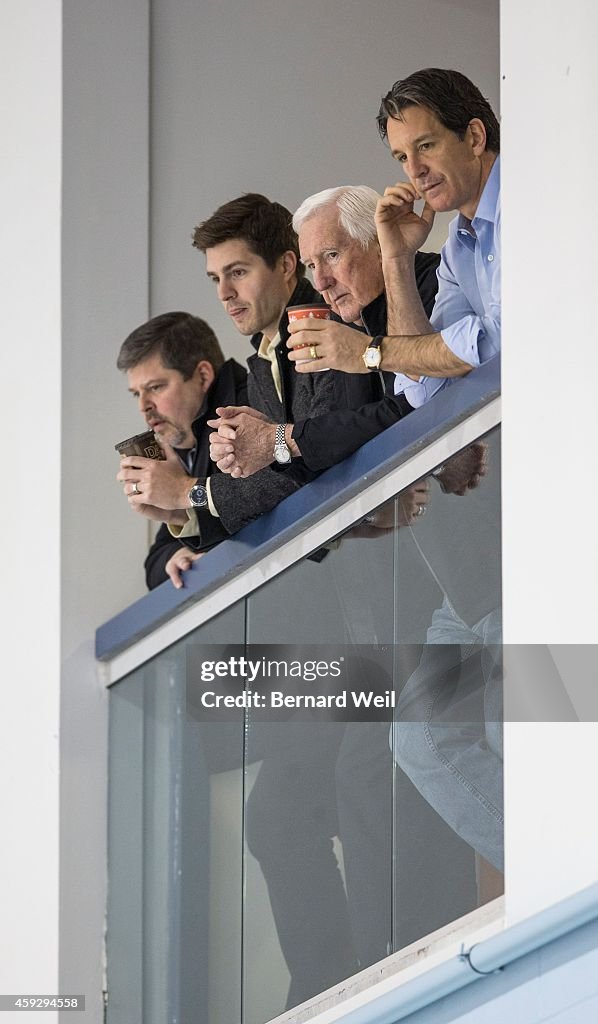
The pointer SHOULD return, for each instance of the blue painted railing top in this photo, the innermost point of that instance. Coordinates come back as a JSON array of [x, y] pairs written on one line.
[[302, 509]]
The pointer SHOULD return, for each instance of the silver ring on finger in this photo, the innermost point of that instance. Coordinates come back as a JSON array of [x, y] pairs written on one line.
[[135, 489], [421, 510]]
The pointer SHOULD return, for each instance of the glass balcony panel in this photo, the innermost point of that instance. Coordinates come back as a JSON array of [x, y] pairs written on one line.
[[348, 855], [175, 844], [259, 859]]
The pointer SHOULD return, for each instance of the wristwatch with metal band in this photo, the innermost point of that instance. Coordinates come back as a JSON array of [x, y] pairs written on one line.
[[372, 356], [282, 451]]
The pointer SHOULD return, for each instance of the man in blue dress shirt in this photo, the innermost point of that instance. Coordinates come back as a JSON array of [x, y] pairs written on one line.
[[444, 133], [447, 138]]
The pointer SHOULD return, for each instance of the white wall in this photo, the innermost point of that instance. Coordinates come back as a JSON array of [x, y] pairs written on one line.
[[550, 368], [30, 85]]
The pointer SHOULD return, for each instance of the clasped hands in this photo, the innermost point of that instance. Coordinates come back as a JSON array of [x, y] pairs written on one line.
[[243, 442]]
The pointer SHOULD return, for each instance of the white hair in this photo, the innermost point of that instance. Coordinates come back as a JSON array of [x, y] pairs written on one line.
[[356, 205]]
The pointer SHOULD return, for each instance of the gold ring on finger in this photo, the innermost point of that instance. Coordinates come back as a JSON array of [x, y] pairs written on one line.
[[313, 351]]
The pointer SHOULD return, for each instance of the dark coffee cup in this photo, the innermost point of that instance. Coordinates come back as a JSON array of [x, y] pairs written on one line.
[[142, 444]]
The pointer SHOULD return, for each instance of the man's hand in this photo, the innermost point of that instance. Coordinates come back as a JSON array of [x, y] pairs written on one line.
[[326, 344], [180, 562], [221, 441], [401, 231], [412, 505], [413, 502], [163, 484], [244, 443], [464, 471]]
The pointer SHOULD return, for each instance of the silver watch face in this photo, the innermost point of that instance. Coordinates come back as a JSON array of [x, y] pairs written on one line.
[[198, 496], [282, 453]]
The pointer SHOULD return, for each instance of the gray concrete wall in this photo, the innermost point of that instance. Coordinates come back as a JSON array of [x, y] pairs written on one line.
[[104, 294], [281, 98]]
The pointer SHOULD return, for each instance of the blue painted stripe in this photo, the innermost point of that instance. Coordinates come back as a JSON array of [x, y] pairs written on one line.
[[304, 508]]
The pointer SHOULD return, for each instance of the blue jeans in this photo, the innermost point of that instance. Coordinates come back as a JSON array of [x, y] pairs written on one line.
[[447, 735]]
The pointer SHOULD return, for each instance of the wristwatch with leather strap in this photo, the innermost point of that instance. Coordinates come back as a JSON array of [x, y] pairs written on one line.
[[372, 356]]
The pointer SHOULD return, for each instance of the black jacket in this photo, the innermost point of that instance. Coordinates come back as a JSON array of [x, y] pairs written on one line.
[[229, 388], [303, 395], [364, 403]]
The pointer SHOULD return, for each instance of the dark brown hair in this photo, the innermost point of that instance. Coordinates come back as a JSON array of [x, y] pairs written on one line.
[[180, 339], [449, 95], [266, 227]]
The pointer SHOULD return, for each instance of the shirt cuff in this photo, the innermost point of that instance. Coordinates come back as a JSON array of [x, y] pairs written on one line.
[[213, 510], [190, 529], [462, 338]]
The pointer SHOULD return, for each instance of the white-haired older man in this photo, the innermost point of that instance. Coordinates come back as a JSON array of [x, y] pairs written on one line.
[[339, 245]]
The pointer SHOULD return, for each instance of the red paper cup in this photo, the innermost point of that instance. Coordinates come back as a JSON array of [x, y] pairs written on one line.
[[315, 311]]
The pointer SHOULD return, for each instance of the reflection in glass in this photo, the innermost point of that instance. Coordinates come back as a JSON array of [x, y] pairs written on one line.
[[447, 736], [318, 818]]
